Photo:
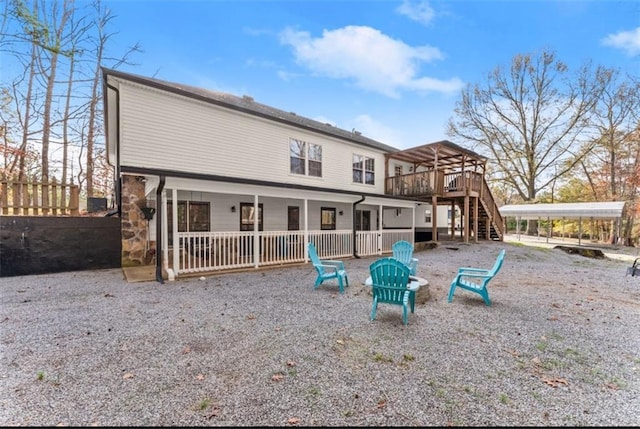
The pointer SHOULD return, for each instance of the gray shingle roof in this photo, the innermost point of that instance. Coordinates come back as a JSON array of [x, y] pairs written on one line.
[[248, 105]]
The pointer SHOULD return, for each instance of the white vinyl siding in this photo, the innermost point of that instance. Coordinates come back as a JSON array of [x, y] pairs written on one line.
[[166, 131]]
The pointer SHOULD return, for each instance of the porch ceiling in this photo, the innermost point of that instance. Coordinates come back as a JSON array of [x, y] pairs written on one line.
[[448, 155]]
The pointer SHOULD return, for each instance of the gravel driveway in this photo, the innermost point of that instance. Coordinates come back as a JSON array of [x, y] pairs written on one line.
[[559, 346]]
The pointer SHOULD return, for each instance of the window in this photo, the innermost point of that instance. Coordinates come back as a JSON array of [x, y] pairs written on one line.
[[363, 170], [363, 220], [293, 218], [327, 218], [192, 216], [427, 216], [305, 157], [247, 217]]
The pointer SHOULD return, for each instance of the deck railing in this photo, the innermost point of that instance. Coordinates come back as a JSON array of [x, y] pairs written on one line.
[[39, 199], [215, 251]]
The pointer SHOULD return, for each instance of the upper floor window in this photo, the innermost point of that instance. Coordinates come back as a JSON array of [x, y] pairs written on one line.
[[305, 158], [363, 170]]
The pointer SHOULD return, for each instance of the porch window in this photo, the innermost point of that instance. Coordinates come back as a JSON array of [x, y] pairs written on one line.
[[363, 170], [293, 218], [327, 218], [427, 215], [363, 220], [247, 217], [305, 157], [192, 216]]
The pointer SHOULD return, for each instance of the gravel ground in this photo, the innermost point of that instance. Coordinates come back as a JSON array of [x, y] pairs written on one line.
[[560, 346]]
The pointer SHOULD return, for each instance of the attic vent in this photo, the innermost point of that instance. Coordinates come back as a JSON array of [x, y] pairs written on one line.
[[247, 97]]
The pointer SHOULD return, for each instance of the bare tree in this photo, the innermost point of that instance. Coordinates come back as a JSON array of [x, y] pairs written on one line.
[[103, 36], [530, 119]]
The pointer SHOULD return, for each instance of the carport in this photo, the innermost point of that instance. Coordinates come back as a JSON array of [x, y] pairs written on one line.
[[612, 210]]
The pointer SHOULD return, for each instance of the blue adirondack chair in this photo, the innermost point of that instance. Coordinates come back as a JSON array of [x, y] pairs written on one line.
[[476, 279], [389, 281], [327, 269], [403, 252]]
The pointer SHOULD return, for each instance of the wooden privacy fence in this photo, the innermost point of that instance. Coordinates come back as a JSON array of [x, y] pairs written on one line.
[[39, 199]]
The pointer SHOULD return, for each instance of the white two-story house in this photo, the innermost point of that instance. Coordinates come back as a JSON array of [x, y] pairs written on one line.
[[209, 181]]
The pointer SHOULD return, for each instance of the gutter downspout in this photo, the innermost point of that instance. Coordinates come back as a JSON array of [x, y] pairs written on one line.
[[159, 252], [117, 178], [353, 224]]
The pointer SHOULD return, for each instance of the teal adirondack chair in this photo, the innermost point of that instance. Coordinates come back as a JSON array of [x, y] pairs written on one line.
[[476, 279], [403, 252], [327, 269], [389, 281]]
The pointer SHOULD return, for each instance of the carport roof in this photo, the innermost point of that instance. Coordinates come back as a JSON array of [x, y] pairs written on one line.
[[602, 210]]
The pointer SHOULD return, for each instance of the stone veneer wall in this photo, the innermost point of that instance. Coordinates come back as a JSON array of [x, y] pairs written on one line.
[[136, 250]]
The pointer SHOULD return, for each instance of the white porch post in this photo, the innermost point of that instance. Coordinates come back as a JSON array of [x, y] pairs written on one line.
[[413, 226], [306, 229], [174, 228], [165, 235], [380, 230], [256, 232]]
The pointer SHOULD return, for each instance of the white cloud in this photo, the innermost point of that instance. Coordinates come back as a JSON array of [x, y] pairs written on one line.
[[375, 130], [628, 41], [364, 55], [420, 12]]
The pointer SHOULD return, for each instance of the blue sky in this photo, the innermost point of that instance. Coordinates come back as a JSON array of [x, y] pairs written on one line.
[[392, 70]]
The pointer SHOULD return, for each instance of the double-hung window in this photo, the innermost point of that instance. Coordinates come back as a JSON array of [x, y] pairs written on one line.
[[305, 158], [363, 170]]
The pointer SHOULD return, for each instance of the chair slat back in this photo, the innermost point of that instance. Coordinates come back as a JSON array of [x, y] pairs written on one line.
[[389, 278], [402, 251], [498, 264], [315, 259]]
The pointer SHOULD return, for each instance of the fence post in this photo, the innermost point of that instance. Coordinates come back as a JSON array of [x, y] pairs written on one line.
[[36, 196], [54, 197], [16, 198], [25, 199], [4, 198], [74, 200], [45, 199]]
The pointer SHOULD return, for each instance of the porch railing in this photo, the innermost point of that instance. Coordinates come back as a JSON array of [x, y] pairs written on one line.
[[217, 251]]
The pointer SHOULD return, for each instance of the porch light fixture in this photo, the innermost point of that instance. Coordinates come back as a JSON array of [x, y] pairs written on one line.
[[340, 213], [233, 209]]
